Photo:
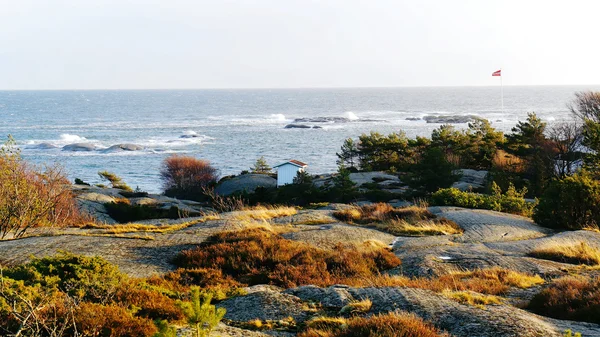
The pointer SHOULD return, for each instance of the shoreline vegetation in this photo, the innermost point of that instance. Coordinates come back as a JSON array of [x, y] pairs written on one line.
[[493, 228]]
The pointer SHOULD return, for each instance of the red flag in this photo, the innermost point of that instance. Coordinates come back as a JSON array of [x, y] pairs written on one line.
[[497, 73]]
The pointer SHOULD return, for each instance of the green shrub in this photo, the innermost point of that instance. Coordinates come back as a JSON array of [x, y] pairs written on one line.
[[512, 201], [89, 278], [572, 203], [432, 172]]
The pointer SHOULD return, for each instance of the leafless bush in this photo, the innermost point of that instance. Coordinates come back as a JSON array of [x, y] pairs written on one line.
[[30, 197], [185, 177]]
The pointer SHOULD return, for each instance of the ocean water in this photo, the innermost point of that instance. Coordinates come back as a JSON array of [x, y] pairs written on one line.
[[232, 128]]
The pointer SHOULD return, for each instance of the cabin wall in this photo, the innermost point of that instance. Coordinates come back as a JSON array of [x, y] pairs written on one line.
[[286, 174]]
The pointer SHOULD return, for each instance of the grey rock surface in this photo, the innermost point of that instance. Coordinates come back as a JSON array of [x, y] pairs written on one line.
[[245, 182], [470, 179], [79, 147]]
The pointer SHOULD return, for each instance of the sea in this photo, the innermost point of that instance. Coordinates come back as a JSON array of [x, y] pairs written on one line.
[[232, 128]]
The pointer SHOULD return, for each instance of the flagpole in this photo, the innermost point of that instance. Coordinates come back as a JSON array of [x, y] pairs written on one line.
[[501, 91]]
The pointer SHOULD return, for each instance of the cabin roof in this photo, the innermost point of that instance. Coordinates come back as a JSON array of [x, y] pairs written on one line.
[[293, 162]]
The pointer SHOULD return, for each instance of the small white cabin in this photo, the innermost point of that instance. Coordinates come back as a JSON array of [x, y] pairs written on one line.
[[287, 171]]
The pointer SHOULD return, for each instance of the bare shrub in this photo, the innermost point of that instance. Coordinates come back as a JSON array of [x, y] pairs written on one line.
[[31, 197], [185, 177]]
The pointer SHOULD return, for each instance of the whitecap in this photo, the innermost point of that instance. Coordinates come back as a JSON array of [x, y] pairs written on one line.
[[351, 115], [278, 117], [69, 138]]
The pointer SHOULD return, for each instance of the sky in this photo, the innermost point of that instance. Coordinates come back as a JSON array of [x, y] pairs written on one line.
[[176, 44]]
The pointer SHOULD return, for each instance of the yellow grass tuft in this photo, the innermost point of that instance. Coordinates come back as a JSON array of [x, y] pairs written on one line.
[[492, 281], [326, 323], [472, 298], [357, 307], [426, 227], [264, 212], [574, 253], [148, 228]]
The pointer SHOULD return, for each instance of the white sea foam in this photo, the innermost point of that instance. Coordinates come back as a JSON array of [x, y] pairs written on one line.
[[278, 117], [351, 115], [67, 138]]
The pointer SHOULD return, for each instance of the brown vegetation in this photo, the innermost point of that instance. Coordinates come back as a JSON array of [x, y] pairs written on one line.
[[398, 324], [572, 298], [185, 176], [31, 197], [257, 256], [575, 253], [407, 221], [492, 281]]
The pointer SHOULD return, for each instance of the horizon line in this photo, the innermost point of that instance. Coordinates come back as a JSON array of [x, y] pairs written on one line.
[[305, 88]]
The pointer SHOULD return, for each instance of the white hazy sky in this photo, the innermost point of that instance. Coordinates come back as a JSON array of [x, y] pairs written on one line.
[[122, 44]]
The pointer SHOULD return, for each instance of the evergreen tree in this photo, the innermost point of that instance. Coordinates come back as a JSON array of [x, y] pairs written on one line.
[[349, 154], [261, 166], [344, 189], [202, 316]]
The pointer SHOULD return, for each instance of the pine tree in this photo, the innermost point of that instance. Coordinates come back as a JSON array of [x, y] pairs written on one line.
[[349, 154], [202, 316], [261, 166]]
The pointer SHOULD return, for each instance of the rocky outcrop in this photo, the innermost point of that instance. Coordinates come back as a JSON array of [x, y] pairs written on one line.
[[470, 179], [266, 303], [452, 119], [79, 147], [124, 147], [245, 182]]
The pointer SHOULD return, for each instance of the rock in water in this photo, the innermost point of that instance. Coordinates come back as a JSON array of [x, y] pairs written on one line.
[[298, 126], [124, 147], [79, 147], [453, 119]]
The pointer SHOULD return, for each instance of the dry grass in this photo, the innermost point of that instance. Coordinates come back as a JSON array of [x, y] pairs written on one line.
[[396, 324], [406, 221], [421, 228], [574, 253], [382, 212], [492, 281], [135, 228], [507, 162], [264, 213], [472, 298], [573, 298], [357, 307]]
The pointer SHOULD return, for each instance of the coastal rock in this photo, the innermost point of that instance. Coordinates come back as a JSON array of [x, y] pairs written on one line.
[[44, 146], [124, 147], [322, 120], [265, 304], [79, 147], [298, 126], [413, 118], [452, 119], [331, 297], [360, 178], [245, 182], [470, 179]]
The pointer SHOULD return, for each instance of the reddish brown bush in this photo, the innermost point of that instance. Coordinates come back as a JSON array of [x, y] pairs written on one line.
[[30, 197], [150, 304], [400, 324], [185, 176], [257, 256], [95, 320], [571, 298]]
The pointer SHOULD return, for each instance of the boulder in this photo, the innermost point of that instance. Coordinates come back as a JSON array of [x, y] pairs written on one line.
[[124, 147], [360, 178], [298, 126], [245, 182], [79, 147], [332, 297], [470, 179], [452, 119], [264, 304], [44, 146]]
